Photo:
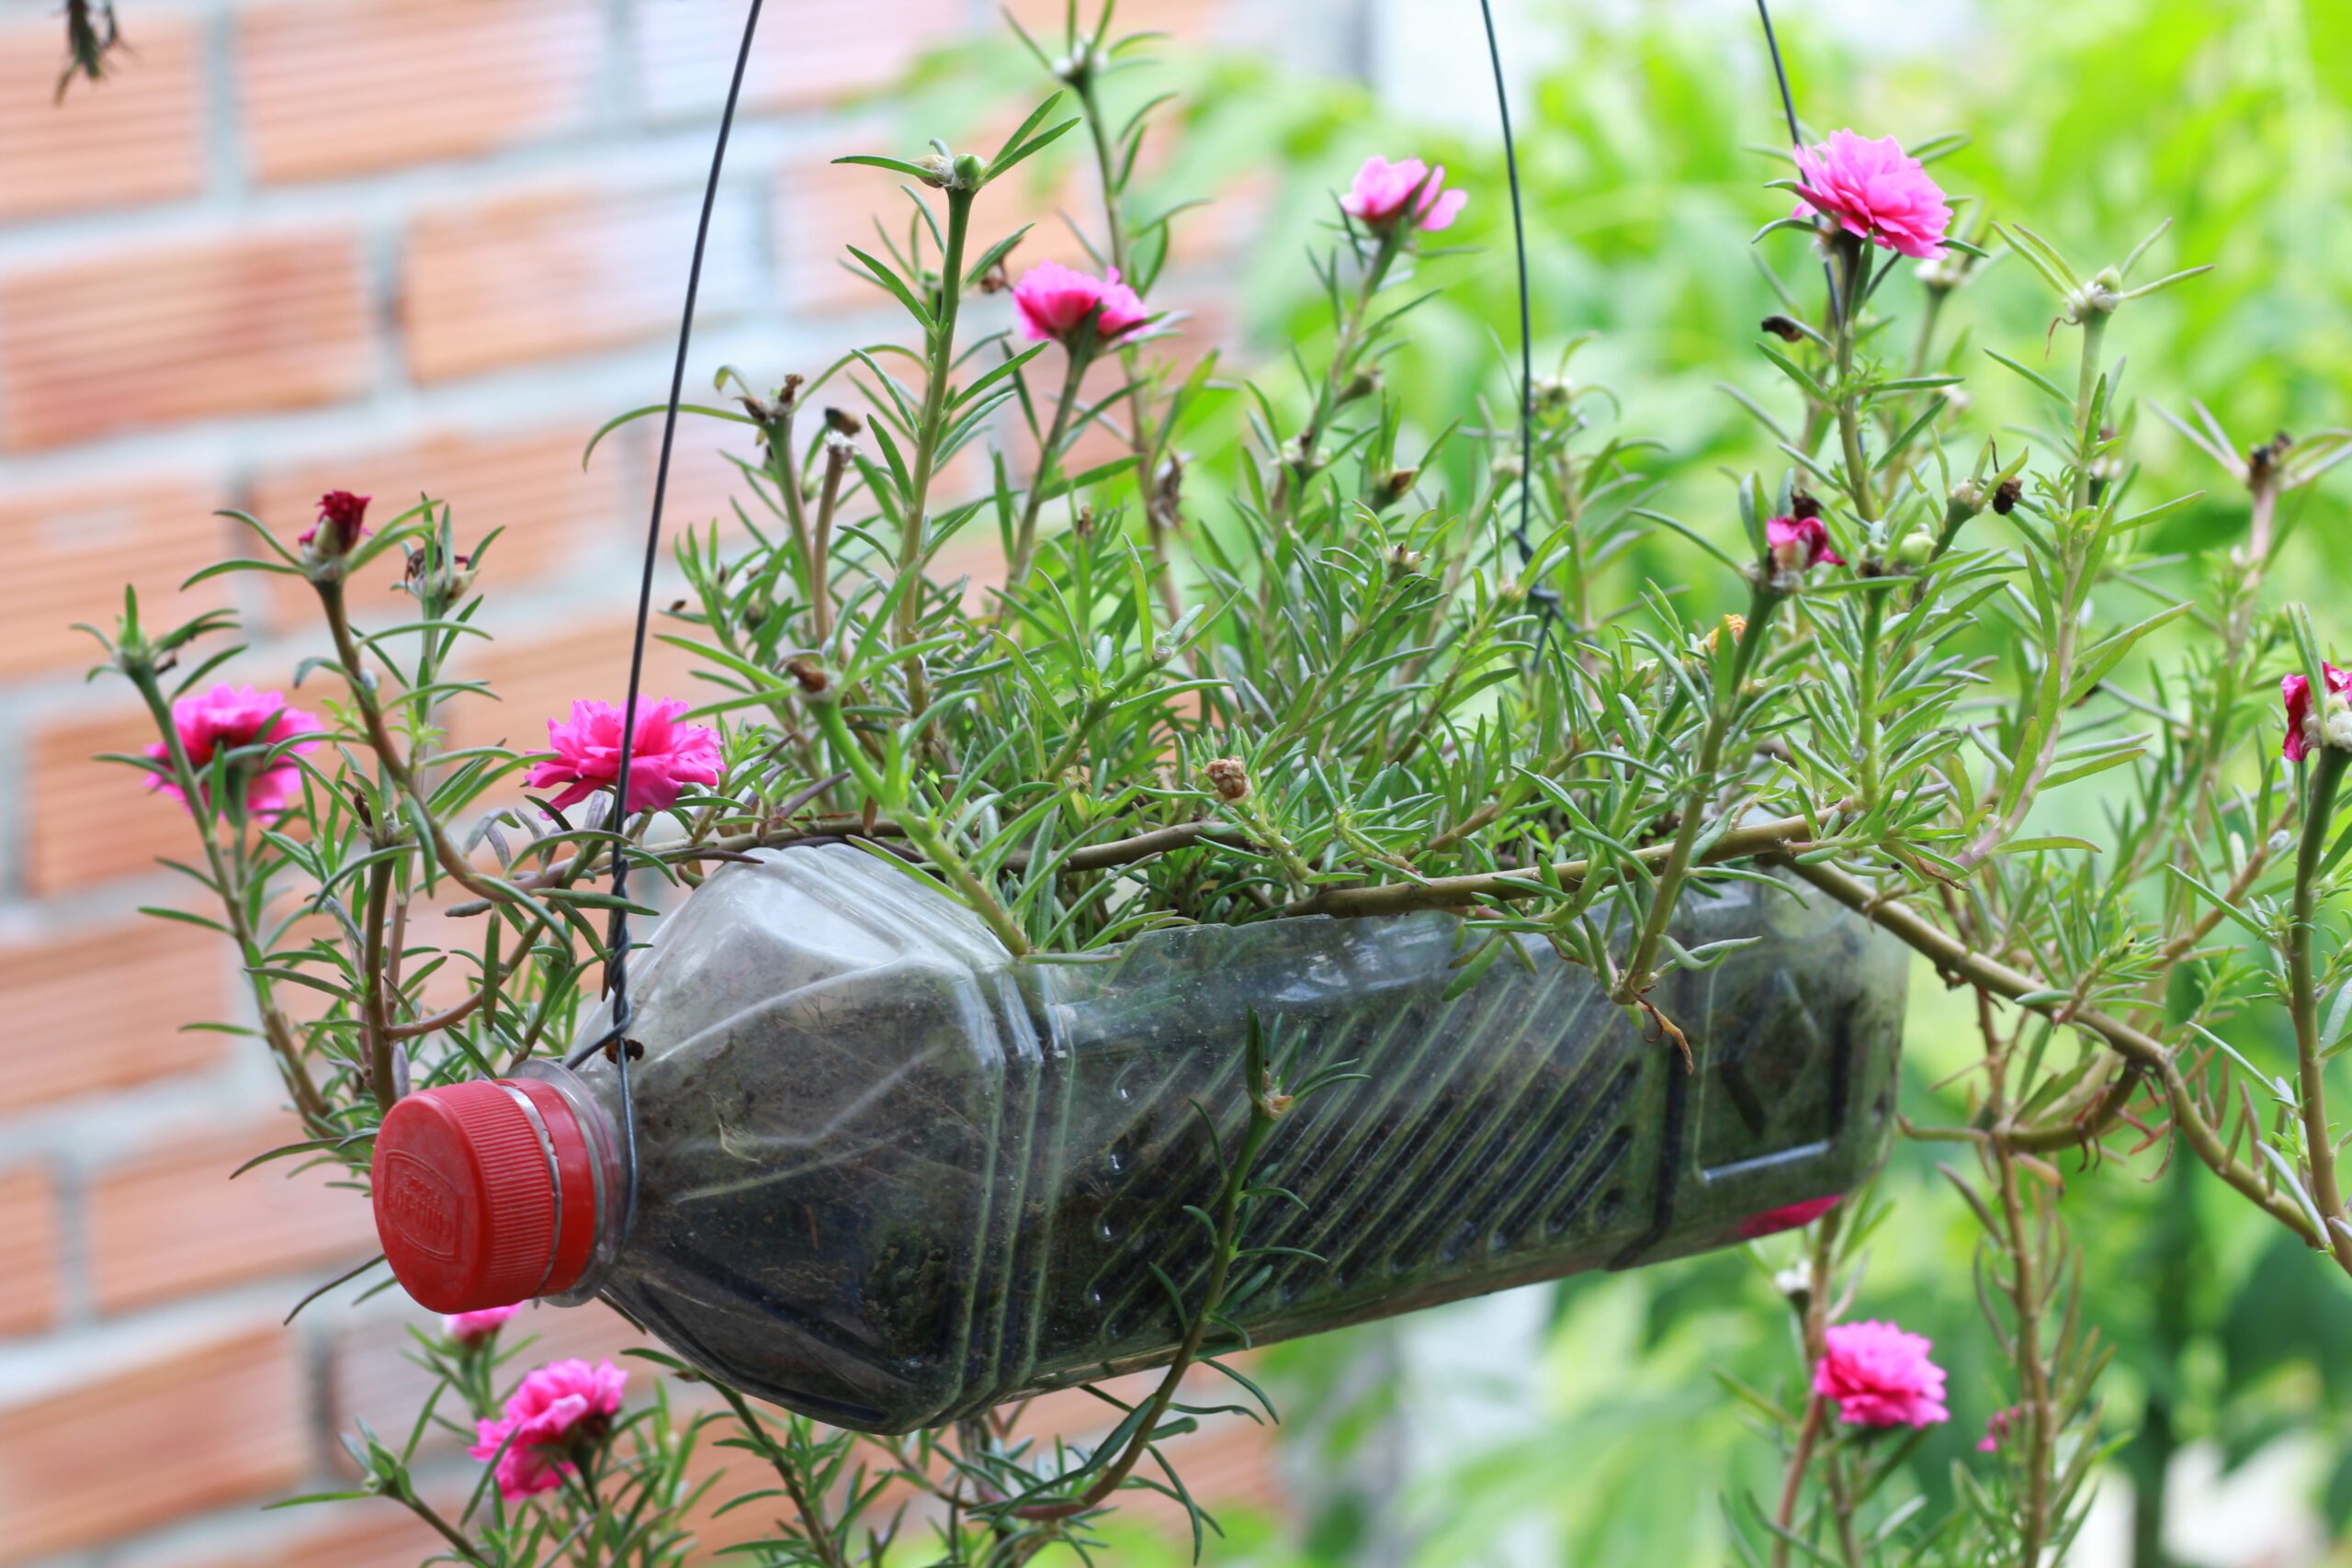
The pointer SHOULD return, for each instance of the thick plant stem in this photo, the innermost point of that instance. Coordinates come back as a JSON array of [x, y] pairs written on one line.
[[396, 763], [2303, 995], [1730, 675], [2033, 1373], [929, 432], [1866, 697], [1853, 266], [1814, 1338], [1159, 515], [1049, 457], [1954, 957], [230, 888], [1296, 474]]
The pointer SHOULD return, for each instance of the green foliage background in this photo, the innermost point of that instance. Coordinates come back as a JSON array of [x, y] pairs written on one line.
[[1645, 157]]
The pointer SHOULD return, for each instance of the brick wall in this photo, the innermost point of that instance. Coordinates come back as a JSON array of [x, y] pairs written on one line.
[[393, 246]]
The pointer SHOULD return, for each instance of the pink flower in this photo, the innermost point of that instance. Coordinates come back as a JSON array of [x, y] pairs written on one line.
[[560, 1409], [1055, 301], [1382, 189], [667, 757], [1799, 544], [1788, 1217], [472, 1328], [2303, 734], [1997, 1428], [1876, 190], [228, 717], [1880, 1376], [346, 514]]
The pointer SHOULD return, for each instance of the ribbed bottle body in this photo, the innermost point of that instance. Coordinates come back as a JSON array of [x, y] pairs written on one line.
[[887, 1177]]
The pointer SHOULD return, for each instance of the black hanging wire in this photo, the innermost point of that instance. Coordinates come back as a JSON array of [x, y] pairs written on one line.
[[1542, 593], [1797, 136], [614, 1039]]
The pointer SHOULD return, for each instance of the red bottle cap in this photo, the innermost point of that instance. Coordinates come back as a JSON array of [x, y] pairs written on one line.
[[485, 1194]]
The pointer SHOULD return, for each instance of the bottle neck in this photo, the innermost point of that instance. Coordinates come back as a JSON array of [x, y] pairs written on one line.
[[611, 1176]]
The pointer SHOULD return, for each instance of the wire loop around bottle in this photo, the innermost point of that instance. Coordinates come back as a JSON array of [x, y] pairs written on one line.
[[614, 1039]]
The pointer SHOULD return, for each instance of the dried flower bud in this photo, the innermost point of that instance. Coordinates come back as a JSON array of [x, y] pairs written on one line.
[[2005, 499], [1229, 778], [844, 421], [1399, 480], [1083, 523], [996, 280], [1783, 328], [814, 681], [1804, 505], [2264, 459]]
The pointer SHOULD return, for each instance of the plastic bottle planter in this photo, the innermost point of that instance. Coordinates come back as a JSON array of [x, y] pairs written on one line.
[[889, 1177]]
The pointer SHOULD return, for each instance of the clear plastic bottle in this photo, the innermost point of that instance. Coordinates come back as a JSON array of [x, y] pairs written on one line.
[[888, 1177]]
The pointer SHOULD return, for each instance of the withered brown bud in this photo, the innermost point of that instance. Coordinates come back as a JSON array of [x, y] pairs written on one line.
[[2005, 499], [994, 280], [1784, 329], [1083, 523], [2262, 459], [790, 393], [1802, 505], [842, 422], [1228, 778], [1399, 480], [809, 674]]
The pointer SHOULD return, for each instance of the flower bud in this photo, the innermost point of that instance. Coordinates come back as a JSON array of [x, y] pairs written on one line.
[[1229, 778], [1915, 550], [1966, 499], [1403, 562], [343, 519]]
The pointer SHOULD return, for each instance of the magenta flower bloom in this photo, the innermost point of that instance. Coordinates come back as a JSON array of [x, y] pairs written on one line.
[[1054, 302], [2303, 733], [1876, 190], [1788, 1217], [559, 1409], [1880, 1376], [228, 717], [1799, 544], [473, 1328], [343, 512], [1382, 190], [667, 757]]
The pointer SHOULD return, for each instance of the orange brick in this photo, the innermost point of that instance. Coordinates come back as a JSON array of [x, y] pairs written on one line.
[[71, 551], [335, 1535], [27, 1250], [89, 821], [1186, 21], [686, 49], [343, 88], [103, 1010], [209, 1425], [552, 273], [150, 334], [528, 484], [537, 678], [138, 138], [171, 1222]]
